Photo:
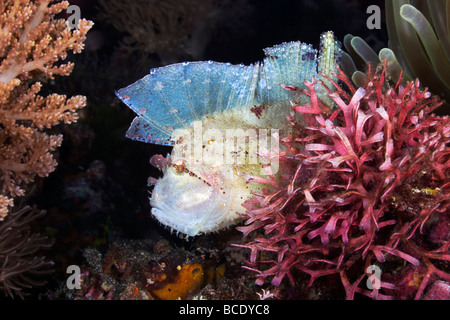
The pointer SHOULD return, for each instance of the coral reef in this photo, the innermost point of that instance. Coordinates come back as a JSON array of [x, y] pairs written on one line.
[[98, 194], [189, 279], [20, 268], [32, 43], [360, 190], [149, 270], [439, 290]]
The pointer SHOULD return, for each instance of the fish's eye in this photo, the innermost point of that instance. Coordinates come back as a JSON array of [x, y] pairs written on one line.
[[180, 167]]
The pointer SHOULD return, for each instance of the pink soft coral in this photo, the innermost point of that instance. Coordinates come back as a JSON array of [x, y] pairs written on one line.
[[360, 184]]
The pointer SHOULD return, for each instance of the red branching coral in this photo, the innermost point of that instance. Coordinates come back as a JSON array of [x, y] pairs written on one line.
[[360, 185]]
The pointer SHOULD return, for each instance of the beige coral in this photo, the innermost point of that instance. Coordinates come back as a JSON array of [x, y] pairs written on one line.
[[32, 42]]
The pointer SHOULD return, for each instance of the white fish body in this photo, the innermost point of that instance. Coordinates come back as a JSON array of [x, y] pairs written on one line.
[[206, 195], [218, 117]]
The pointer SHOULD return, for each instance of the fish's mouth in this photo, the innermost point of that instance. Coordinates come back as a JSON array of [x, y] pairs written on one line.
[[190, 228]]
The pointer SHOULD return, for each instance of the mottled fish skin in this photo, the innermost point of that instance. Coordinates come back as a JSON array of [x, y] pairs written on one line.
[[195, 197], [173, 103]]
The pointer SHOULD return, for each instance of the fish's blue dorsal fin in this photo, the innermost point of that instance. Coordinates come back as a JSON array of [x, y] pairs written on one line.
[[289, 63], [172, 97]]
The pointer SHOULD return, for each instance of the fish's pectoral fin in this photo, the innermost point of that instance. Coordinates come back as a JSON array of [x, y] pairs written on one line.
[[146, 131]]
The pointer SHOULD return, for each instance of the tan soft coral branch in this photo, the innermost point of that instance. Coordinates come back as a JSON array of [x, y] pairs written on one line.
[[42, 43], [31, 42]]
